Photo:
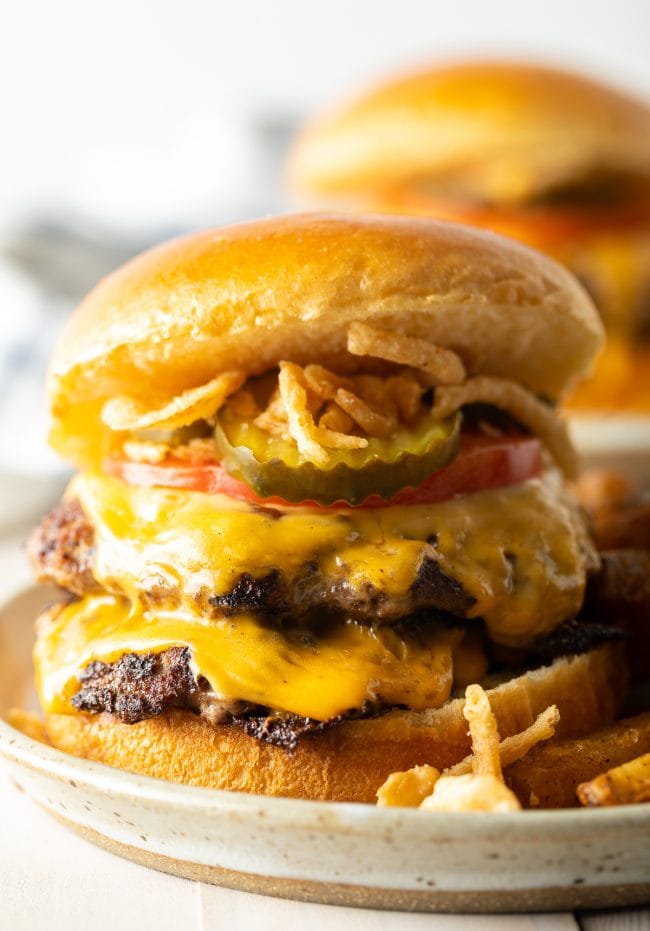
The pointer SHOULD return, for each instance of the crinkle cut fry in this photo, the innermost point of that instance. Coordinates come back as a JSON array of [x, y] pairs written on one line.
[[624, 785]]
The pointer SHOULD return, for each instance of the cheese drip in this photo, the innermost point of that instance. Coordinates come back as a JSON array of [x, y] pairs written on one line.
[[521, 552], [315, 674]]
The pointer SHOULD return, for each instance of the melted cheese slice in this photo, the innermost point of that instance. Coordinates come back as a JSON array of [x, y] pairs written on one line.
[[521, 551], [317, 675]]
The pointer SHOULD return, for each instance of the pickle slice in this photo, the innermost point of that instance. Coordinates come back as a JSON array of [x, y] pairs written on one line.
[[273, 466]]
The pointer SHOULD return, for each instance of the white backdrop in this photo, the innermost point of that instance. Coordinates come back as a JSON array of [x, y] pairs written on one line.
[[135, 110]]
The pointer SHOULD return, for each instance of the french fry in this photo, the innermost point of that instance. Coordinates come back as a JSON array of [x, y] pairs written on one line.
[[442, 366], [126, 413], [482, 789], [476, 783], [623, 785], [518, 401], [548, 776]]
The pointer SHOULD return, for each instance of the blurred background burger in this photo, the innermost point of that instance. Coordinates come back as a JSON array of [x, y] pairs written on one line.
[[548, 156]]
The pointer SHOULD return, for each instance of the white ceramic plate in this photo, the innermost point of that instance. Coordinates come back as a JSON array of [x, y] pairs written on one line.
[[319, 851]]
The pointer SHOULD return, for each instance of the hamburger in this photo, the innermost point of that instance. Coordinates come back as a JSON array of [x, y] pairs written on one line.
[[549, 157], [322, 487]]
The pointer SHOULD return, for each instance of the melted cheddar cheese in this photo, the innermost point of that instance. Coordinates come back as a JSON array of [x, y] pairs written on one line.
[[317, 675], [521, 551]]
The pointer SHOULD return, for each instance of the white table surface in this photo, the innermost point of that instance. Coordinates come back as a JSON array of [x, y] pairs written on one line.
[[51, 879]]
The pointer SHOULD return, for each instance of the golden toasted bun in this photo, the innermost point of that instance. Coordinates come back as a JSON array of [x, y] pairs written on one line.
[[351, 761], [500, 130], [287, 288]]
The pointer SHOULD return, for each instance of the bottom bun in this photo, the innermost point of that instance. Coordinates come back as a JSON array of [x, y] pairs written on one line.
[[350, 761]]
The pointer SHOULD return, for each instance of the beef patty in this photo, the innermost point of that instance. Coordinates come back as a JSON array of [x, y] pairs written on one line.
[[138, 686], [61, 550], [141, 686]]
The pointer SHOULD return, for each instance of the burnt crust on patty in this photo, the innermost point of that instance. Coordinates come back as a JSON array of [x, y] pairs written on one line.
[[62, 551], [286, 730], [434, 587], [138, 686], [572, 638], [623, 583], [267, 594]]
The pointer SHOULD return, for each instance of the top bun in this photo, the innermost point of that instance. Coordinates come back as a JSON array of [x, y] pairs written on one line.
[[251, 295], [505, 131]]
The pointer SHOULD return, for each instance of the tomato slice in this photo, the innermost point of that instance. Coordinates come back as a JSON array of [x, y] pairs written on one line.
[[483, 462]]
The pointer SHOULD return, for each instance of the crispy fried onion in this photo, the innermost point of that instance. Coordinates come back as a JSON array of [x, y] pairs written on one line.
[[514, 748], [127, 413], [483, 731], [310, 437], [513, 398], [320, 410], [439, 366], [476, 783]]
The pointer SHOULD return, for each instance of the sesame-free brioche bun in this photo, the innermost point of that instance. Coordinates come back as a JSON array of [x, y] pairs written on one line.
[[503, 130], [351, 761], [248, 296]]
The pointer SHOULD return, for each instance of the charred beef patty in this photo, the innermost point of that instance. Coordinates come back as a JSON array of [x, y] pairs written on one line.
[[140, 686], [61, 550], [622, 585], [286, 730], [137, 687], [572, 637]]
